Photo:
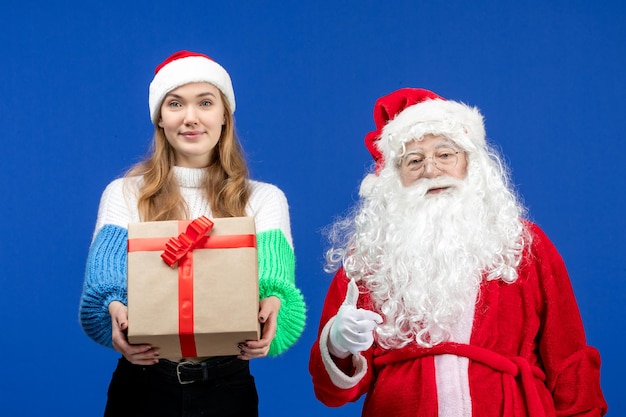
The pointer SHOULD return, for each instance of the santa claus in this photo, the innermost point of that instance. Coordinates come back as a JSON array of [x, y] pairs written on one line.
[[446, 301]]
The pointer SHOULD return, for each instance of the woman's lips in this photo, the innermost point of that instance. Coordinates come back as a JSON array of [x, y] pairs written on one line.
[[192, 134]]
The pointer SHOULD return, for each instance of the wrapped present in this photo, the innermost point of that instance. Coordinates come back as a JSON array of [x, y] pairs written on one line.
[[193, 286]]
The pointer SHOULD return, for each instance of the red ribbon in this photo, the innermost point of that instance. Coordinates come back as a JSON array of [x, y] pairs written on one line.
[[180, 249], [177, 247]]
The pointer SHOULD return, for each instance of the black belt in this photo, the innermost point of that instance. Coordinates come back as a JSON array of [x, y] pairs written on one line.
[[187, 372]]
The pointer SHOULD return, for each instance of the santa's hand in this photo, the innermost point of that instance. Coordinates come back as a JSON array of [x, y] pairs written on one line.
[[353, 329]]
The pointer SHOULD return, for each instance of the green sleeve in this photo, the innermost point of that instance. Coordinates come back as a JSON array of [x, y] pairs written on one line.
[[277, 278]]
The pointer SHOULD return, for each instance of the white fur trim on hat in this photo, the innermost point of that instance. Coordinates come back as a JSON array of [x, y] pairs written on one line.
[[187, 70], [458, 122]]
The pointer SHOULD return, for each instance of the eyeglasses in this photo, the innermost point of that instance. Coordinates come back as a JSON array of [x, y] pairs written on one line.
[[444, 159]]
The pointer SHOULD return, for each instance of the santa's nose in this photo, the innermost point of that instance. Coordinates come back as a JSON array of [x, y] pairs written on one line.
[[430, 169]]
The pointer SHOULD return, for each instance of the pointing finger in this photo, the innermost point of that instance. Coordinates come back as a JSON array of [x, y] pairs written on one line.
[[352, 294]]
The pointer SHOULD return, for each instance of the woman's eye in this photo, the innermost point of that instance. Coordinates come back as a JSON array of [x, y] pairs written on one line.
[[173, 104], [205, 103]]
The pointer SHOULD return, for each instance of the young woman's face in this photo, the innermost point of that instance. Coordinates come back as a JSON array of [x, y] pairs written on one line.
[[192, 117]]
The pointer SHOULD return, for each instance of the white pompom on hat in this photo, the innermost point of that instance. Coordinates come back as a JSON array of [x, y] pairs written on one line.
[[184, 67], [411, 113]]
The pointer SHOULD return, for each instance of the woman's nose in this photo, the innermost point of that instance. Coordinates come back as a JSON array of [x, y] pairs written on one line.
[[191, 115]]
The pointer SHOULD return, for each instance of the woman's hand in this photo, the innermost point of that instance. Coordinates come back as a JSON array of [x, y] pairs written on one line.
[[268, 315], [136, 354]]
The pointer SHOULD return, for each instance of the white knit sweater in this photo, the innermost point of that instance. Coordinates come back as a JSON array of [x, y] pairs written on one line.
[[267, 203], [106, 270]]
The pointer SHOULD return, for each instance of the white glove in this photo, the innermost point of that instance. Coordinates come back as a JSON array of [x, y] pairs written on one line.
[[352, 331]]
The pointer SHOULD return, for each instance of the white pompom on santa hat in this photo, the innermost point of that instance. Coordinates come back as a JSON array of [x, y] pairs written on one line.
[[184, 67]]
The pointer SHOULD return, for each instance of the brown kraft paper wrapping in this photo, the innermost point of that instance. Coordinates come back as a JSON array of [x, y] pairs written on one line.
[[222, 306]]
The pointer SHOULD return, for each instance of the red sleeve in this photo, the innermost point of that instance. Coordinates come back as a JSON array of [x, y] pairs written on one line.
[[572, 368], [325, 391]]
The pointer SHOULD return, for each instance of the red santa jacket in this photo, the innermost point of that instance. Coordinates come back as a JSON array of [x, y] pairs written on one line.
[[527, 354]]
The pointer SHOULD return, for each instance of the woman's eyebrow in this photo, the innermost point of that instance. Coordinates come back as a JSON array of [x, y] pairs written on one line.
[[208, 93]]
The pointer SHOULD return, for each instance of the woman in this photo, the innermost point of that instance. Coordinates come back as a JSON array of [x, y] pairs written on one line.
[[196, 167]]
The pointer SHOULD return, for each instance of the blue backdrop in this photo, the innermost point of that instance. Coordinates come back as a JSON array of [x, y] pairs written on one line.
[[548, 76]]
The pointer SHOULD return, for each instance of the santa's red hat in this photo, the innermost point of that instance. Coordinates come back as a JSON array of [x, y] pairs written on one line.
[[184, 67], [410, 113]]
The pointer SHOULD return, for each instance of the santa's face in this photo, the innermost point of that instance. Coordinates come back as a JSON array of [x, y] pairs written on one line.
[[431, 157]]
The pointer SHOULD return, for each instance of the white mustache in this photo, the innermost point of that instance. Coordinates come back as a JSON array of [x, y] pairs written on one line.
[[421, 187]]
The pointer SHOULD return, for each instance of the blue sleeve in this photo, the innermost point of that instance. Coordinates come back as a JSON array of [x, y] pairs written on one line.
[[105, 281]]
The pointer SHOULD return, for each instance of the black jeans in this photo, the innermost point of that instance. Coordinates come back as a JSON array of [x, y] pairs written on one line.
[[155, 391]]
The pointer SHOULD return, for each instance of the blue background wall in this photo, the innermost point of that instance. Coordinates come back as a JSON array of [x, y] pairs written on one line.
[[548, 76]]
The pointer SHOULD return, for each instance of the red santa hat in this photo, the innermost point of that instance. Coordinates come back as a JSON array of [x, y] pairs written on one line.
[[410, 113], [184, 67]]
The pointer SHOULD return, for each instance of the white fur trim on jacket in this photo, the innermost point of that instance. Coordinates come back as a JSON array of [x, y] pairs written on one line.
[[340, 379]]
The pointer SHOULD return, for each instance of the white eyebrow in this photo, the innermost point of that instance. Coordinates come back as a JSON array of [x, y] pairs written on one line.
[[411, 153], [438, 145]]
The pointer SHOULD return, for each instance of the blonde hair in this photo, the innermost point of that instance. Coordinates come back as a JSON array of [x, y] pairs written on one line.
[[225, 183]]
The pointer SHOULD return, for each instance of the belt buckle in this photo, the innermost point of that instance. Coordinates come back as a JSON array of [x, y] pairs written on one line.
[[181, 382]]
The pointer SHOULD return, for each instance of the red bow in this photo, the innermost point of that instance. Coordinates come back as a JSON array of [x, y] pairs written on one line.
[[194, 236]]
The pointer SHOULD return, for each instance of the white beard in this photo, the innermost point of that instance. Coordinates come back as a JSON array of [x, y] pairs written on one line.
[[422, 256]]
